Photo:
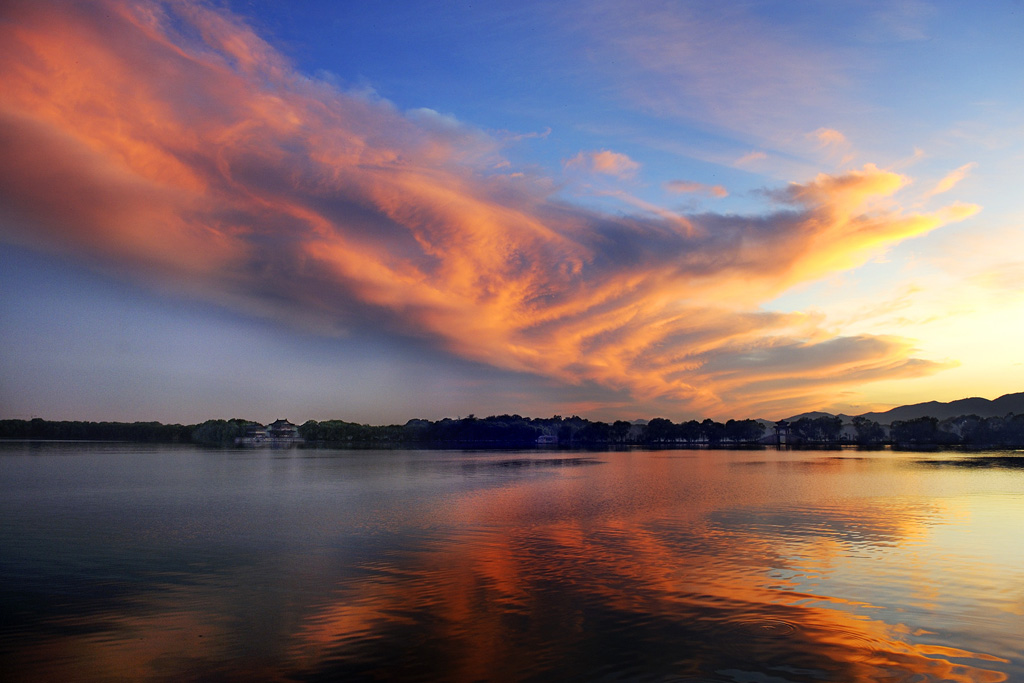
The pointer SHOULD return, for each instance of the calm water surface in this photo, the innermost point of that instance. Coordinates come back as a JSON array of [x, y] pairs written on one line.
[[126, 562]]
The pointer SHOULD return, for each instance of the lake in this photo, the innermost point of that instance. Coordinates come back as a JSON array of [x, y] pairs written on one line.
[[158, 563]]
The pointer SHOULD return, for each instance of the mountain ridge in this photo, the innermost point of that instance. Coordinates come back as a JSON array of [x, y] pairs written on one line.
[[975, 405]]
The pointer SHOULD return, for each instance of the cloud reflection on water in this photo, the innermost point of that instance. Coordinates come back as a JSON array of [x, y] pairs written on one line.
[[629, 594], [641, 567]]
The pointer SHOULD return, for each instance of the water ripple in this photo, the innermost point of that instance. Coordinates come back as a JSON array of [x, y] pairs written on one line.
[[758, 627]]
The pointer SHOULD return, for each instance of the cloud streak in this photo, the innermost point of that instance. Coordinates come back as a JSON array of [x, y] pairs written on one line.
[[701, 61], [688, 186], [750, 158], [951, 179], [170, 141]]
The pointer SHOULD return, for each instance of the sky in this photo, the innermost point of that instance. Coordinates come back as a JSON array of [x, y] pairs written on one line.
[[384, 211]]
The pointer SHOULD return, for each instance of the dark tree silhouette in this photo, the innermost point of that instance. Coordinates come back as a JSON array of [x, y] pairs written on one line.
[[868, 432], [660, 431], [712, 432], [917, 432], [743, 431], [621, 430], [690, 431]]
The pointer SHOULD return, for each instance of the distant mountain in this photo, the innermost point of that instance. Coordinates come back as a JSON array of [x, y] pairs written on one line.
[[982, 407], [817, 413]]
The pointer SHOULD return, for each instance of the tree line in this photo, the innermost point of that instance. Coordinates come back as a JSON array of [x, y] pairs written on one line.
[[138, 432], [495, 431], [515, 430], [970, 431], [965, 430], [502, 431]]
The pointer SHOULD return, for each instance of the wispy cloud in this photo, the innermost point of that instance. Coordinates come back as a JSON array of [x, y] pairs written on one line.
[[829, 137], [689, 186], [834, 142], [604, 162], [723, 65], [904, 21], [198, 155], [750, 158], [951, 179]]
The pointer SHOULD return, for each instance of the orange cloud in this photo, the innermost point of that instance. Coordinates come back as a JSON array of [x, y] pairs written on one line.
[[951, 179], [830, 137], [833, 141], [604, 162], [170, 141], [685, 186]]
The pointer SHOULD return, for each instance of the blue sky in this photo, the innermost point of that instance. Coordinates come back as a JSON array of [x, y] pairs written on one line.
[[379, 212]]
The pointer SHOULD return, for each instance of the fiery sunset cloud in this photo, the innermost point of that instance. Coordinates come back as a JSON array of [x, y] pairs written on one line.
[[171, 143]]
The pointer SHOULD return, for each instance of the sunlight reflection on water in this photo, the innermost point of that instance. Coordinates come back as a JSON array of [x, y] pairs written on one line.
[[345, 565]]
